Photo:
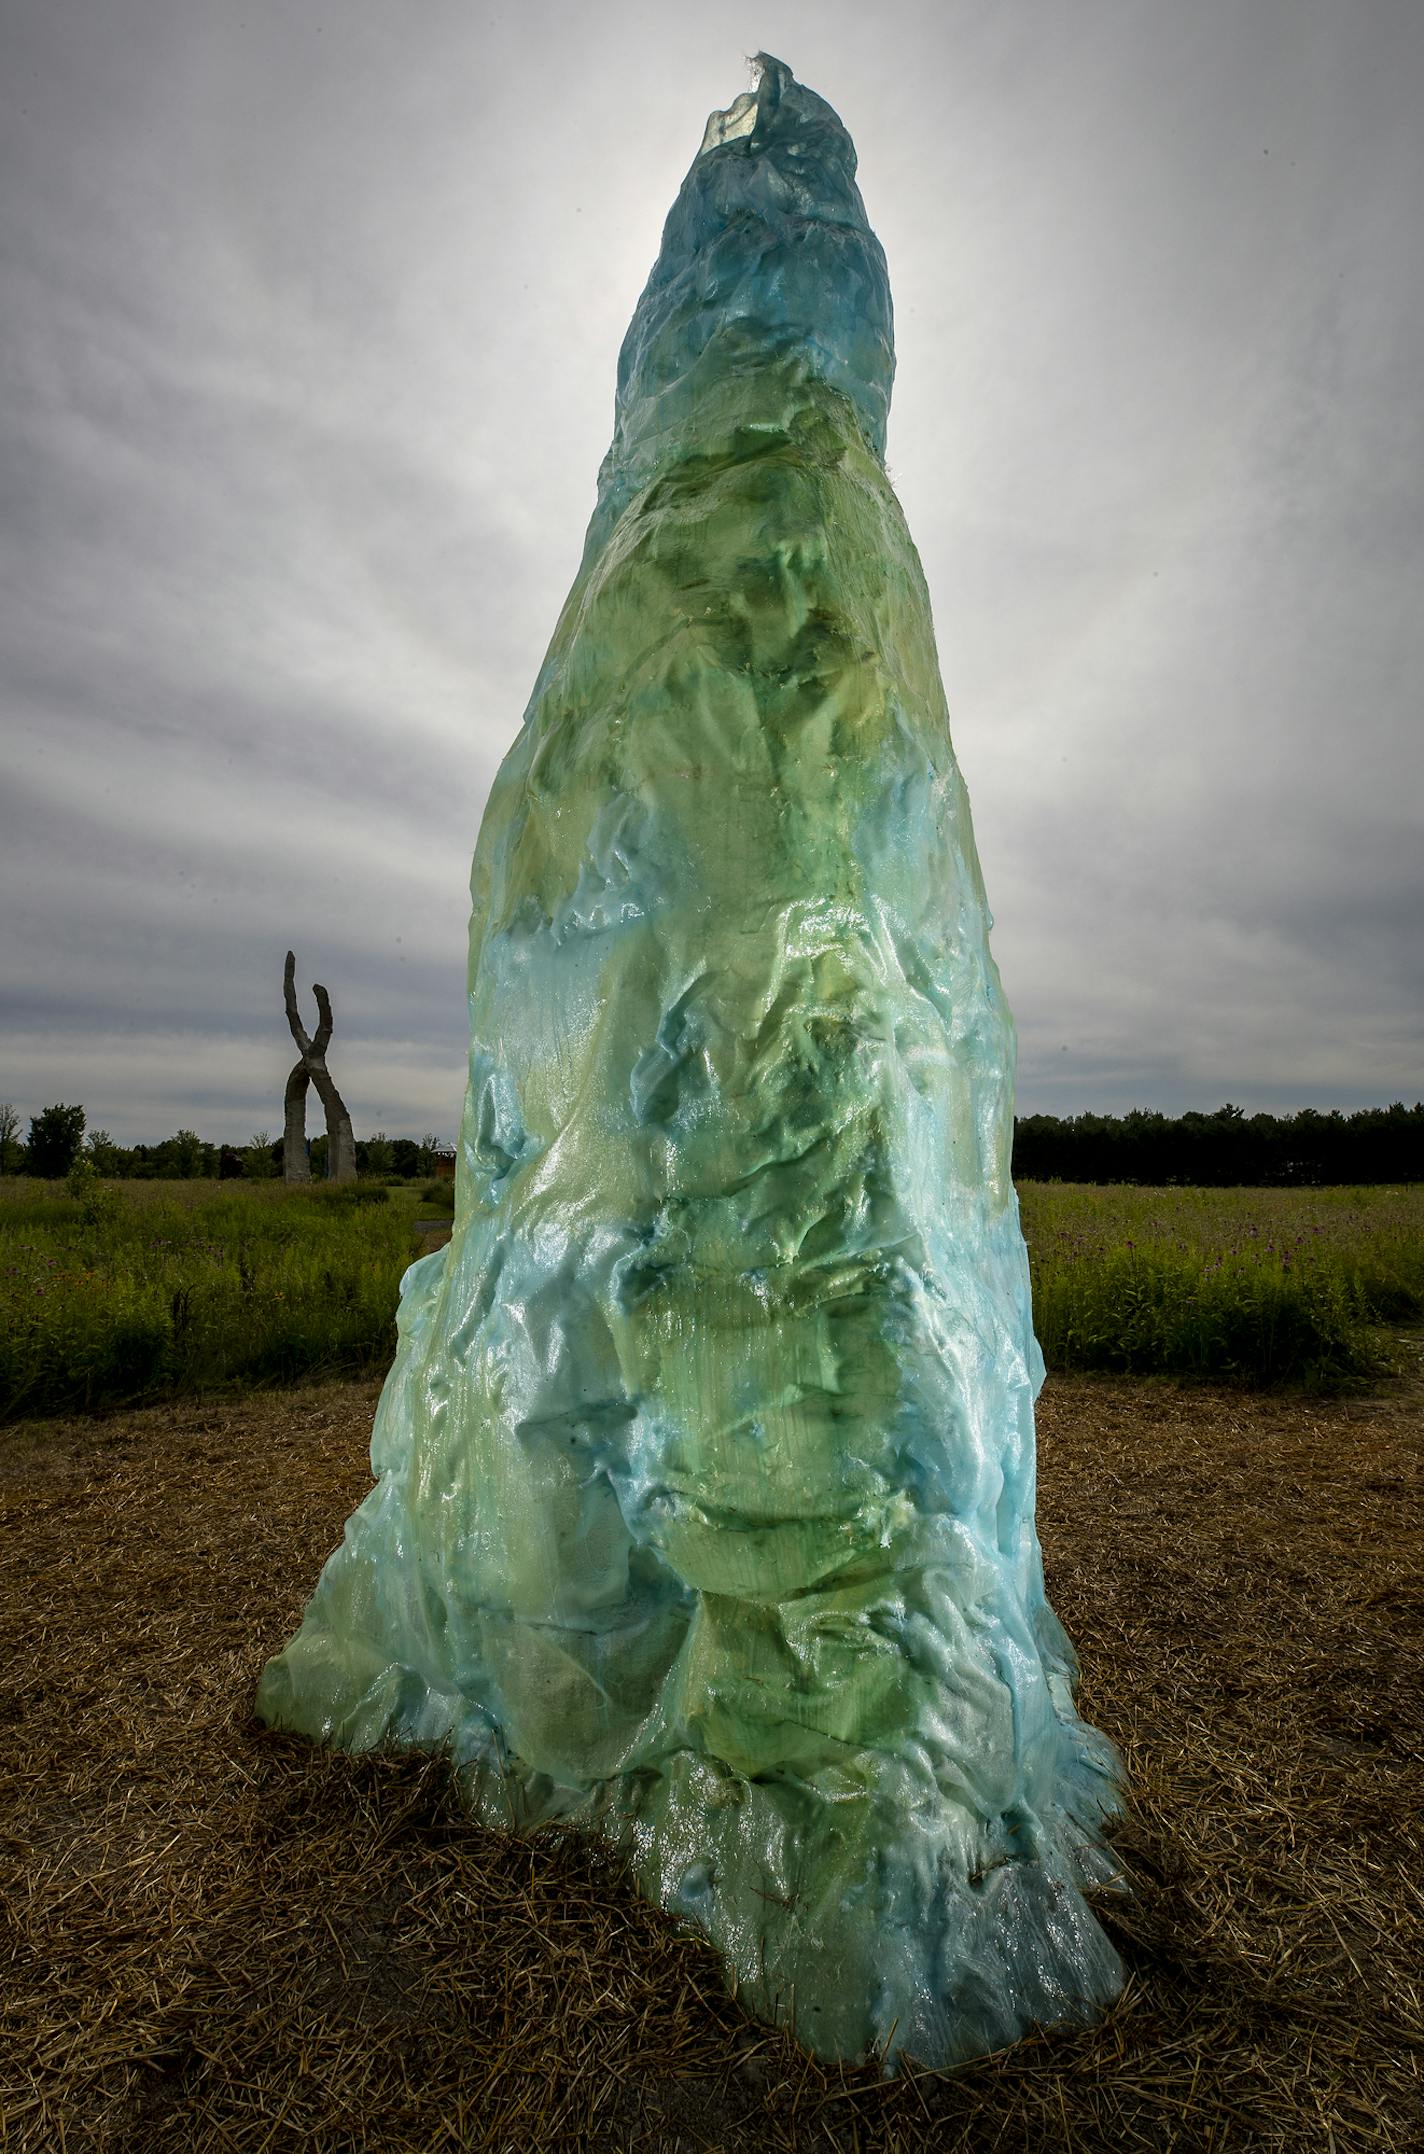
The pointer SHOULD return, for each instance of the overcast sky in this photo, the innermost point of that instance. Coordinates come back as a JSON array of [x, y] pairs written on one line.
[[309, 316]]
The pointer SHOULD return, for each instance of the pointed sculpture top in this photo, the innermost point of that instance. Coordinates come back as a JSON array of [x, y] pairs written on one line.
[[769, 276]]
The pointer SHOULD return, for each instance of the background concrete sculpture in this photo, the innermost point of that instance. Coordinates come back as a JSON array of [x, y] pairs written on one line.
[[310, 1068], [705, 1503]]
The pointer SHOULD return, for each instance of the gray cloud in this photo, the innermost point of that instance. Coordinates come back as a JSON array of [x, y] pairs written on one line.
[[309, 328]]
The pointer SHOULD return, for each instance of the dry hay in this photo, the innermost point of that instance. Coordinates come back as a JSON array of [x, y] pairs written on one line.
[[217, 1938]]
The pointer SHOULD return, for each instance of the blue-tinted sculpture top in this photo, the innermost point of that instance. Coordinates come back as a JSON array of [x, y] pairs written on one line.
[[767, 255], [706, 1475]]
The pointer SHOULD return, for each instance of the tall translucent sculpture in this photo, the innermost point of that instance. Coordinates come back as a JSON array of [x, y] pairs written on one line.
[[704, 1512]]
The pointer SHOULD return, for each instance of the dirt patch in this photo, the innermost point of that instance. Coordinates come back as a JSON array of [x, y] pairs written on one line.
[[220, 1938]]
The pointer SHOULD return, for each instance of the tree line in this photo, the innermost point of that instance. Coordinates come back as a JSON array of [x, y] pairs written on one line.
[[58, 1142], [1227, 1148]]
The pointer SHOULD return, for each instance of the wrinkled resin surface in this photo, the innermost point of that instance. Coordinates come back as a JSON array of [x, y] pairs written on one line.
[[705, 1502]]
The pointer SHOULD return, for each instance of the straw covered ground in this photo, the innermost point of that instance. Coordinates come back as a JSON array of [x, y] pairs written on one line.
[[218, 1938]]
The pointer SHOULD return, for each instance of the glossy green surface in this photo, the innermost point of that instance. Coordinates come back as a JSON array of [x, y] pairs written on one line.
[[706, 1469]]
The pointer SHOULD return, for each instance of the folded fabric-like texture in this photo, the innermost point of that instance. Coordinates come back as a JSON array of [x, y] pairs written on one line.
[[704, 1513]]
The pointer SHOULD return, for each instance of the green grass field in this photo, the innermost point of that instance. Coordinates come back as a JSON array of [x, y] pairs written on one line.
[[150, 1290], [1261, 1286]]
